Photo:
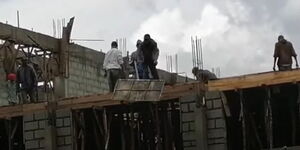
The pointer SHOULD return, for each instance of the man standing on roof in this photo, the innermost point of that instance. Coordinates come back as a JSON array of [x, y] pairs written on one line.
[[26, 82], [150, 53], [138, 60], [284, 51], [113, 65]]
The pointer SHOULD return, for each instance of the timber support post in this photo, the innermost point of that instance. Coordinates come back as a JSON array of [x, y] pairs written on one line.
[[201, 123], [243, 119], [50, 129], [269, 118]]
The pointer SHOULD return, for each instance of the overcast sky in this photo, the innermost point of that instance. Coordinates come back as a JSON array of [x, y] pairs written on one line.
[[238, 35]]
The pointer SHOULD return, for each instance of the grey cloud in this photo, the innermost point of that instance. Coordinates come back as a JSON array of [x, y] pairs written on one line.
[[245, 46]]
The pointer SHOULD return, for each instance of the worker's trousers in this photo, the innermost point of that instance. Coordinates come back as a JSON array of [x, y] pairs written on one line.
[[285, 67], [140, 69], [152, 69], [27, 95], [113, 76]]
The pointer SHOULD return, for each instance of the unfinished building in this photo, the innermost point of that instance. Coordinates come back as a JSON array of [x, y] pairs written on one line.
[[75, 111]]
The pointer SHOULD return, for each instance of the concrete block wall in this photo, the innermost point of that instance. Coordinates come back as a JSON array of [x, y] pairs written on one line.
[[187, 107], [85, 77], [85, 72], [64, 130], [216, 126], [34, 130]]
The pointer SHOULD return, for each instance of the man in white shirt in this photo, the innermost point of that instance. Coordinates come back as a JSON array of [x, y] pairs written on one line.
[[113, 65]]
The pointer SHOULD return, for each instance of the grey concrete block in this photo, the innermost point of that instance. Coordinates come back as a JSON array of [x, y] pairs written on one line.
[[209, 104], [217, 147], [210, 141], [220, 141], [68, 140], [191, 98], [40, 116], [192, 126], [188, 136], [194, 143], [64, 131], [60, 141], [68, 147], [30, 125], [185, 127], [187, 144], [59, 122], [39, 134], [188, 117], [31, 144], [220, 123], [42, 143], [212, 95], [184, 107], [42, 124], [63, 113], [67, 122], [27, 118], [28, 135], [216, 133], [192, 107], [216, 113], [211, 124], [216, 141], [217, 103]]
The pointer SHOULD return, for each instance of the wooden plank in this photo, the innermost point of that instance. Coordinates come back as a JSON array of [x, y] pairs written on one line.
[[20, 36], [254, 80], [19, 110], [101, 100], [180, 90]]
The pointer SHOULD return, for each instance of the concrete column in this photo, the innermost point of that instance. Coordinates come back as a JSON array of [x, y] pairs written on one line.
[[59, 87]]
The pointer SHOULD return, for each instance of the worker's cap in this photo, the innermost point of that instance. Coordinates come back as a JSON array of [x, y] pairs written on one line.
[[11, 77]]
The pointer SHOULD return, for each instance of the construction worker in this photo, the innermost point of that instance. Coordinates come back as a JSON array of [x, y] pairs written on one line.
[[150, 53], [26, 82], [11, 88], [113, 65], [203, 75], [137, 59], [284, 51]]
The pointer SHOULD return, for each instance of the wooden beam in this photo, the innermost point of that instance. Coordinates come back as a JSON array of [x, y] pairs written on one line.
[[180, 90], [101, 100], [27, 37], [254, 80]]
